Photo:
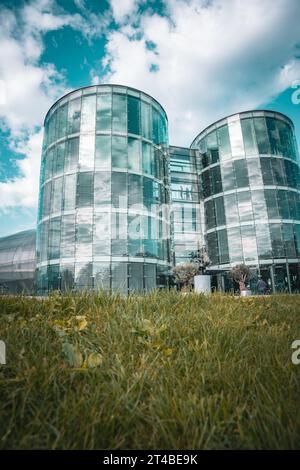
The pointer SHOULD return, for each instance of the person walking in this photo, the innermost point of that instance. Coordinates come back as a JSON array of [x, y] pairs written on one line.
[[261, 287]]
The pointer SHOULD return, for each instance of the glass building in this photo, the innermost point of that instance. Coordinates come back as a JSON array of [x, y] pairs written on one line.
[[18, 263], [250, 184], [118, 206], [103, 217], [186, 208]]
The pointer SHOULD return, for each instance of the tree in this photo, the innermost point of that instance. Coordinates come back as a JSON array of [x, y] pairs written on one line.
[[241, 274], [200, 257], [184, 274]]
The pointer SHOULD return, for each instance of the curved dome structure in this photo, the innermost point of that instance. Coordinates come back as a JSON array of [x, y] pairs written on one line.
[[18, 262], [104, 189]]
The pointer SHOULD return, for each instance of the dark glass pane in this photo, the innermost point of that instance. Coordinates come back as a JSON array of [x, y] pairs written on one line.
[[263, 240], [119, 115], [119, 277], [136, 276], [220, 211], [248, 136], [62, 121], [216, 180], [288, 240], [223, 246], [241, 173], [119, 152], [212, 247], [277, 241], [133, 112], [283, 204], [261, 135], [278, 172], [119, 190], [271, 201], [266, 170], [135, 188], [54, 238], [210, 217], [273, 135]]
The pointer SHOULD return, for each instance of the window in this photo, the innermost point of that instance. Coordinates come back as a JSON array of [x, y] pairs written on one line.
[[146, 158], [119, 234], [235, 244], [277, 241], [54, 238], [210, 217], [83, 275], [249, 243], [283, 204], [254, 172], [231, 209], [119, 152], [288, 240], [88, 114], [103, 152], [261, 135], [136, 277], [133, 110], [155, 125], [119, 113], [102, 189], [241, 174], [61, 122], [212, 147], [56, 195], [266, 171], [273, 136], [248, 136], [271, 201], [245, 206], [220, 211], [134, 154], [259, 205], [224, 142], [74, 116], [101, 273], [216, 180], [263, 241], [223, 246], [70, 192], [119, 277], [86, 151], [85, 189], [236, 138], [228, 180], [58, 167], [278, 171], [101, 243], [212, 247], [103, 116], [135, 187], [146, 120], [67, 244], [84, 234], [119, 190], [72, 153]]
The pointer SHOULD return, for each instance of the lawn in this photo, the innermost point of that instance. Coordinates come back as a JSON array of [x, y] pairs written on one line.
[[156, 371]]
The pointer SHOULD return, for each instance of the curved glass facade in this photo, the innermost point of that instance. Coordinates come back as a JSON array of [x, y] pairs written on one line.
[[17, 263], [250, 183], [103, 217]]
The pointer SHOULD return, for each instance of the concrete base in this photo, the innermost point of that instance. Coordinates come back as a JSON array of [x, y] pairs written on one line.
[[202, 283]]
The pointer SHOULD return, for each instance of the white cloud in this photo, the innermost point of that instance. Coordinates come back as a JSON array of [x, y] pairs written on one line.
[[23, 190], [122, 9], [212, 58]]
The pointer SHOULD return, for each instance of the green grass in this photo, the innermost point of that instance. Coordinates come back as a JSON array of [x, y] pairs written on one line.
[[159, 371]]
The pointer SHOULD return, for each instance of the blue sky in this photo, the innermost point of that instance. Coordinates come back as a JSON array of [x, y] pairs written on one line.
[[202, 59]]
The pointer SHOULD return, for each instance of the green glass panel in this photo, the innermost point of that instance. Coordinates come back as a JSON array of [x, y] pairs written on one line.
[[119, 113], [103, 152], [119, 152], [248, 136], [104, 112], [85, 189]]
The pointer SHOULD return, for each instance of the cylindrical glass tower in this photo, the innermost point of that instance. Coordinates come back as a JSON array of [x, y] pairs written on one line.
[[249, 174], [104, 192]]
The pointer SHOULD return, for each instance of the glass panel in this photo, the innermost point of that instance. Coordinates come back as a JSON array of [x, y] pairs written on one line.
[[281, 280], [53, 277], [228, 179], [47, 199], [67, 274], [83, 275], [102, 233], [245, 206], [135, 235], [88, 114], [135, 277], [224, 142], [119, 116], [278, 171], [249, 243], [277, 241], [54, 238], [273, 135], [85, 189], [72, 153], [288, 239], [155, 121], [61, 122], [216, 180], [119, 190], [103, 152], [70, 192], [84, 234], [150, 276], [220, 211], [283, 204], [102, 191], [58, 167], [101, 272], [67, 244], [212, 247], [56, 195], [134, 154], [236, 138], [297, 238], [74, 116], [248, 136], [266, 170], [254, 172], [133, 110], [232, 216], [119, 234], [146, 158], [241, 174], [263, 240], [271, 201], [87, 151], [210, 217], [235, 244], [103, 117], [223, 246], [212, 147], [261, 135], [294, 270], [146, 120], [119, 152], [135, 188], [259, 205], [119, 277]]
